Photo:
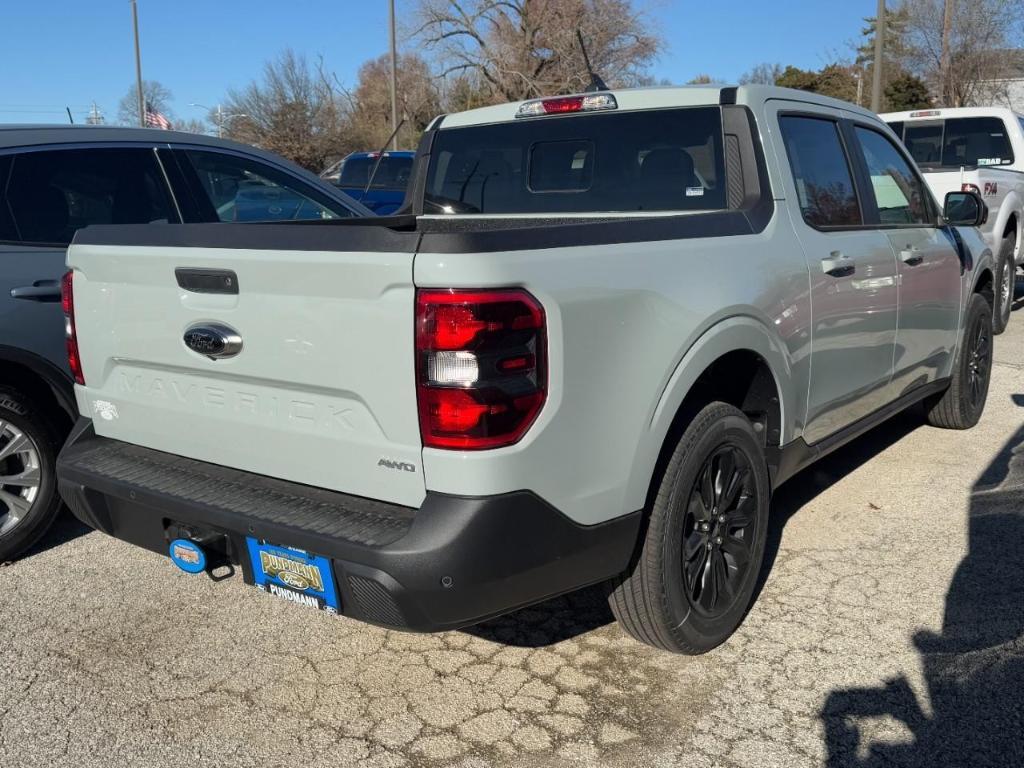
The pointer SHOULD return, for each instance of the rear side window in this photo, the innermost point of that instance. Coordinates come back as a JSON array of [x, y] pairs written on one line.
[[392, 173], [241, 189], [899, 193], [959, 141], [897, 128], [653, 160], [821, 172], [52, 194]]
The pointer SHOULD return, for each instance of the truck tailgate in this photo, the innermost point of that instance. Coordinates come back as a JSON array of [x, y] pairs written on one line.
[[322, 391]]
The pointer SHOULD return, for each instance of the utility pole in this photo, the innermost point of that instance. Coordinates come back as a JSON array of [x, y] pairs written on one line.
[[944, 60], [138, 65], [394, 77], [876, 80], [94, 118]]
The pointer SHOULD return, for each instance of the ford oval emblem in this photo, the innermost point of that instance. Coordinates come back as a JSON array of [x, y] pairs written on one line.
[[213, 340]]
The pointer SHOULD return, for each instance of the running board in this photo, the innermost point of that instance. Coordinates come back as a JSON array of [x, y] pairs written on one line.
[[786, 461]]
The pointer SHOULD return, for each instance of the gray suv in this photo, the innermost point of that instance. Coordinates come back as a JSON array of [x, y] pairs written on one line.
[[53, 182]]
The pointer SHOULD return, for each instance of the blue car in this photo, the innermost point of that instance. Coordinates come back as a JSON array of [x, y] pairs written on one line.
[[386, 193]]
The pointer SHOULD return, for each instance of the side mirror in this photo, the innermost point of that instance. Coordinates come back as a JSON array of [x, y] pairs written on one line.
[[964, 209]]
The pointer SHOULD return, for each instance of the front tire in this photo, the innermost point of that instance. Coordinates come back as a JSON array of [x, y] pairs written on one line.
[[28, 486], [702, 551], [1006, 279], [961, 405]]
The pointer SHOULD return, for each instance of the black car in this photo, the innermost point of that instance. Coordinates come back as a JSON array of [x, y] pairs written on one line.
[[55, 180]]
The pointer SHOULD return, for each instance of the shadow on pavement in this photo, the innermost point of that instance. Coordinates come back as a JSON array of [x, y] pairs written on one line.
[[64, 529], [974, 669], [549, 622], [826, 472]]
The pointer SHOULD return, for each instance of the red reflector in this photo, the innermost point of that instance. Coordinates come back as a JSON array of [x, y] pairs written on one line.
[[568, 104], [66, 300], [67, 303], [480, 366], [520, 363]]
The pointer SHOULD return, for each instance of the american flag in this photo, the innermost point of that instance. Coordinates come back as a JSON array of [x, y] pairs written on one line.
[[156, 119]]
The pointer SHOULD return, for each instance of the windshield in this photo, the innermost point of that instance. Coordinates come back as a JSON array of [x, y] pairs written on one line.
[[652, 160], [393, 172], [959, 141]]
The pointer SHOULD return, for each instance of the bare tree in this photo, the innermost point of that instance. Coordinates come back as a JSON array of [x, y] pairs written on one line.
[[296, 110], [192, 126], [518, 49], [978, 36], [419, 101], [762, 74], [155, 94]]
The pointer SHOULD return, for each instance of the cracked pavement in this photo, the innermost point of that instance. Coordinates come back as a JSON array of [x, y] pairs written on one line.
[[888, 632]]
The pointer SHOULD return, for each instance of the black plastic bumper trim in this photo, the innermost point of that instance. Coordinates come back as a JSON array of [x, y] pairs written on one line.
[[457, 561]]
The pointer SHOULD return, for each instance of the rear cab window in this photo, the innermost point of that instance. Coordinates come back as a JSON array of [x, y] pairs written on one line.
[[958, 142], [649, 160]]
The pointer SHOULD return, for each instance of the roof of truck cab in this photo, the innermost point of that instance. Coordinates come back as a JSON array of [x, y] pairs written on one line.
[[941, 114], [664, 97]]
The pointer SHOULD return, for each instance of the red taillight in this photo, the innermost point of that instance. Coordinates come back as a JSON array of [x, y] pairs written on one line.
[[970, 188], [480, 366], [67, 303]]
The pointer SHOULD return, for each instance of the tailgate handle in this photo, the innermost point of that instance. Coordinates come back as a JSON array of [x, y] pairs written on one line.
[[198, 280]]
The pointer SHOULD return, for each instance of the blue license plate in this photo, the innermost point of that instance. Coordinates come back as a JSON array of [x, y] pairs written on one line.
[[293, 575]]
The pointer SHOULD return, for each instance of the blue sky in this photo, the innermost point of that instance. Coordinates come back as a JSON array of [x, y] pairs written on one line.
[[71, 52]]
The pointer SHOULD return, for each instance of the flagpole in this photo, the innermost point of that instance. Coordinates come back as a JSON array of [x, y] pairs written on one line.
[[138, 65]]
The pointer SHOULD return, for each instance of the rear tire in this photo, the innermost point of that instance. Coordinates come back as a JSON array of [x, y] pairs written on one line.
[[702, 551], [1006, 279], [961, 405], [28, 454]]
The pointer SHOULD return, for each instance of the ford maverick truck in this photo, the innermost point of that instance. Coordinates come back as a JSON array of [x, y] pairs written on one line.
[[600, 332]]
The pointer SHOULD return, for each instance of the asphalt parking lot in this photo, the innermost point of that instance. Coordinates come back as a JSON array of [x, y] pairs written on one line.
[[888, 632]]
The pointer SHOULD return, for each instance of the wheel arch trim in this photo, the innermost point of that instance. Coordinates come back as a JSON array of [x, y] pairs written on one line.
[[739, 333], [57, 380]]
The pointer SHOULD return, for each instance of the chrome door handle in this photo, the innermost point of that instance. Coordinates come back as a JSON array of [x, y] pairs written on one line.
[[40, 290], [911, 256], [838, 264]]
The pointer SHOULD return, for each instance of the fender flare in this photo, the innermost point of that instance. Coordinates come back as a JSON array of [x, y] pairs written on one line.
[[1011, 205], [739, 333], [58, 381]]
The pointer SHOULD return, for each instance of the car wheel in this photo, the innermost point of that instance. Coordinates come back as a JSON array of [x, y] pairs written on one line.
[[1006, 280], [693, 579], [961, 405], [28, 452]]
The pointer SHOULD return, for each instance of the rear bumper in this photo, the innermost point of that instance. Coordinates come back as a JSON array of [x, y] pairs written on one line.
[[453, 562]]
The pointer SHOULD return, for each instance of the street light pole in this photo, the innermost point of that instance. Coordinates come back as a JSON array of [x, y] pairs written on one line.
[[221, 117], [876, 80], [138, 66], [394, 78]]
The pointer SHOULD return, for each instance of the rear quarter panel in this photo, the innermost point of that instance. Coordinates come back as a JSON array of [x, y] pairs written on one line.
[[630, 328]]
